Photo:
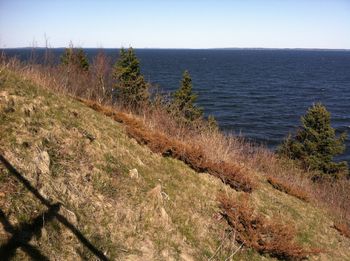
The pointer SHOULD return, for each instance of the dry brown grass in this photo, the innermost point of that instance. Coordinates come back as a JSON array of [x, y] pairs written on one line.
[[64, 79], [287, 187], [335, 195], [264, 235], [8, 186], [343, 228], [332, 194], [230, 173]]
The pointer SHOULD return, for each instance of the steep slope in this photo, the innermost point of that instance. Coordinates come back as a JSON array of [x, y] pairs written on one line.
[[74, 186]]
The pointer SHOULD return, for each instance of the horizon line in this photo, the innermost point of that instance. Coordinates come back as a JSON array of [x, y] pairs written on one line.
[[188, 48]]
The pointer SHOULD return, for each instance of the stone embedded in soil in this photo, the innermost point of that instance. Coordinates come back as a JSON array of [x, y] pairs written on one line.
[[134, 174]]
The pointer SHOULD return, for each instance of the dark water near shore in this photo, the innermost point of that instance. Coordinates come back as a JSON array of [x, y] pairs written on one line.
[[259, 93]]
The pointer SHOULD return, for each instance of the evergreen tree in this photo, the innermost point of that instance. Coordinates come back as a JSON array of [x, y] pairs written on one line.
[[131, 88], [75, 57], [315, 143], [81, 60], [67, 56], [184, 99]]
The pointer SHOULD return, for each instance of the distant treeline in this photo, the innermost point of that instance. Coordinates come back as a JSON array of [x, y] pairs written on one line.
[[39, 54]]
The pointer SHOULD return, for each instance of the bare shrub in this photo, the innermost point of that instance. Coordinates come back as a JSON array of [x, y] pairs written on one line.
[[101, 69], [333, 194]]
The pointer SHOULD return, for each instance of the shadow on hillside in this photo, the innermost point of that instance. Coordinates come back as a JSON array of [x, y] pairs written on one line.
[[22, 235]]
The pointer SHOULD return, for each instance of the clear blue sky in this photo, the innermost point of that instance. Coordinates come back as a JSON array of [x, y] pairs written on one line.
[[176, 23]]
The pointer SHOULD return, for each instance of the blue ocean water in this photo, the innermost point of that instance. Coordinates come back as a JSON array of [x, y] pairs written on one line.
[[260, 94]]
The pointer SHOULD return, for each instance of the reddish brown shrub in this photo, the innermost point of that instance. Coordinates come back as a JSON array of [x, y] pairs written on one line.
[[193, 156], [343, 228], [288, 188], [257, 232]]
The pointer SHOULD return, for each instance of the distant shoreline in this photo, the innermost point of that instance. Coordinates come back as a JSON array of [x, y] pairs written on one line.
[[155, 48]]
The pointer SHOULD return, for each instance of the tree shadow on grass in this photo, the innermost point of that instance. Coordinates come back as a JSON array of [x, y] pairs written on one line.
[[23, 234]]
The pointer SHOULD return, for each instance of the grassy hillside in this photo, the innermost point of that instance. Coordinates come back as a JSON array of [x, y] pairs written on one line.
[[74, 186]]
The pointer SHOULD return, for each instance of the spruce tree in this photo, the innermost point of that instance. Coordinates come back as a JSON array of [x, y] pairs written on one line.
[[130, 86], [81, 60], [184, 99], [76, 58], [67, 56], [315, 143]]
